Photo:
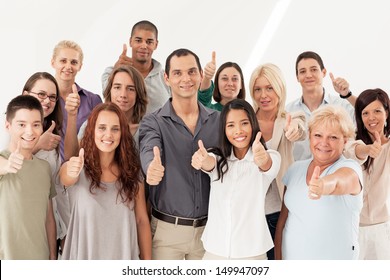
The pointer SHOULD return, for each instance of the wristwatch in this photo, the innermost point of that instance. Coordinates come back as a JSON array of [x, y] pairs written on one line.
[[346, 96]]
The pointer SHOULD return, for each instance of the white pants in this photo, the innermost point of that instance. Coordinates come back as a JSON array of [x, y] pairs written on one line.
[[210, 256], [374, 242]]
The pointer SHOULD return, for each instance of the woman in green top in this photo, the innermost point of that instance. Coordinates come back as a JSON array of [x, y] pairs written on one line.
[[229, 85]]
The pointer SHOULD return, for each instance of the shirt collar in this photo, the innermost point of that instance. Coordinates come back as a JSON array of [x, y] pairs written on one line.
[[248, 156]]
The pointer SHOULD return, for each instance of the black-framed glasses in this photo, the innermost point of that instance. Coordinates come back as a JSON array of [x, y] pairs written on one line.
[[44, 95]]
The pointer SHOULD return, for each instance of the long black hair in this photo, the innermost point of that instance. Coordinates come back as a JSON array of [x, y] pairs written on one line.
[[364, 99], [225, 147]]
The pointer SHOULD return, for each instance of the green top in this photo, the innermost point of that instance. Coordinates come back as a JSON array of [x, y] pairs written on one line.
[[205, 97]]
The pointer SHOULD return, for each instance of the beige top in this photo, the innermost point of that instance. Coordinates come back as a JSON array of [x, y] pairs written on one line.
[[24, 198], [376, 195]]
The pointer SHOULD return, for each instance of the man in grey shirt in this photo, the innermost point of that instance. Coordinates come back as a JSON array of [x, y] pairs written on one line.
[[143, 42], [179, 194]]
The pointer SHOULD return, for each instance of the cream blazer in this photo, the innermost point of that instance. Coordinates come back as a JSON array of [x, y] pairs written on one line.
[[280, 143]]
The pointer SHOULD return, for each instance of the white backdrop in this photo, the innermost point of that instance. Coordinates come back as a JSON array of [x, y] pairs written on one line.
[[352, 36]]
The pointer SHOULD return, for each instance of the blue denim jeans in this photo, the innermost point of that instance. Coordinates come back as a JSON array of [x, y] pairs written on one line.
[[272, 220]]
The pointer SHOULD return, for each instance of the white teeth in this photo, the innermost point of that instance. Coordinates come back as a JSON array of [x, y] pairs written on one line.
[[239, 138]]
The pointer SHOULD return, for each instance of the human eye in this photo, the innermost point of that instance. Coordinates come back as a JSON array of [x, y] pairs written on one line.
[[176, 73], [131, 89], [245, 123], [37, 125], [333, 138], [149, 42], [224, 79], [115, 129], [302, 72], [63, 60], [270, 88], [74, 62], [257, 89], [317, 135], [235, 79], [53, 98], [364, 113], [42, 95], [138, 40], [101, 127], [116, 87]]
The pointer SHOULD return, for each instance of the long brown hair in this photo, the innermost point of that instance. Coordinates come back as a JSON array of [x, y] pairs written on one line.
[[126, 156]]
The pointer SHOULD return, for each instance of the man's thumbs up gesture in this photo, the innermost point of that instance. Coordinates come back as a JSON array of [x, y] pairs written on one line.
[[155, 171]]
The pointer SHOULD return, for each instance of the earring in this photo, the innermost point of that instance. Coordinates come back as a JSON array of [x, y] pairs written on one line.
[[385, 124]]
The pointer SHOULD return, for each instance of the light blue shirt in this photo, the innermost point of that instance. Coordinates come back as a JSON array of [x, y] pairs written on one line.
[[324, 229], [302, 148]]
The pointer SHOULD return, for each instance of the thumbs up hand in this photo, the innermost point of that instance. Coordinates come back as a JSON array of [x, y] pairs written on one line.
[[75, 165], [15, 161], [48, 140], [155, 171], [340, 85], [291, 129], [72, 101], [376, 147], [199, 156], [260, 155], [210, 67], [123, 58], [316, 185]]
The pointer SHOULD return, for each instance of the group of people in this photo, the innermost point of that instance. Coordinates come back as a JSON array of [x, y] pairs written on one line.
[[176, 164]]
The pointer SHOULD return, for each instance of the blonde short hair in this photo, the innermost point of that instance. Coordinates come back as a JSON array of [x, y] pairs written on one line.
[[335, 116], [67, 44]]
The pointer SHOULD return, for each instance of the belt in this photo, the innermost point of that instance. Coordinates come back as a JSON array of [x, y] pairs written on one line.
[[179, 221]]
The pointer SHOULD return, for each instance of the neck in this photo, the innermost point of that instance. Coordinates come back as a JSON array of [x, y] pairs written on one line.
[[65, 87], [143, 68], [106, 159], [185, 106], [266, 115], [313, 99], [240, 153]]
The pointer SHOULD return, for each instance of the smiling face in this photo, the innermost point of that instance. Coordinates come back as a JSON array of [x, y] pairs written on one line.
[[326, 144], [143, 43], [107, 132], [25, 129], [374, 116], [123, 92], [310, 75], [47, 88], [229, 84], [184, 77], [67, 64], [238, 131]]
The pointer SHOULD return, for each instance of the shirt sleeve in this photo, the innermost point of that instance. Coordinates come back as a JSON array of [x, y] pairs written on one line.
[[149, 136], [205, 96], [105, 75]]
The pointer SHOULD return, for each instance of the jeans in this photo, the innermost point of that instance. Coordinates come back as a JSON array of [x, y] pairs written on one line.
[[272, 220]]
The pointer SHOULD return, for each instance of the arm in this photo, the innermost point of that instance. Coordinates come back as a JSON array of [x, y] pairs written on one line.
[[209, 72], [70, 170], [71, 143], [143, 225], [13, 164], [205, 96], [279, 230], [373, 150], [51, 231], [295, 126], [202, 160], [260, 155], [341, 86], [48, 140], [344, 181]]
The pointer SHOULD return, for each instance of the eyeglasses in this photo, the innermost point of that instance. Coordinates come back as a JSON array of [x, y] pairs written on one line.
[[43, 96]]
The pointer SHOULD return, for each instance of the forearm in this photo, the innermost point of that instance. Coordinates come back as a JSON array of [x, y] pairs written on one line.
[[71, 143], [51, 231], [343, 181], [3, 165], [144, 240], [209, 164], [143, 225], [362, 151], [205, 84], [65, 179]]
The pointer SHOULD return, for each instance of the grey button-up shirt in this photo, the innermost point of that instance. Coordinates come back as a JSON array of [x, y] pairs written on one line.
[[183, 191]]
